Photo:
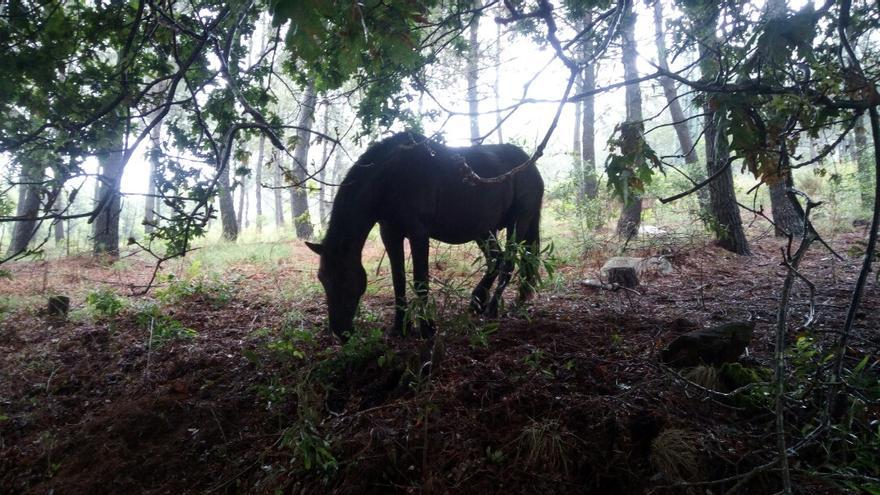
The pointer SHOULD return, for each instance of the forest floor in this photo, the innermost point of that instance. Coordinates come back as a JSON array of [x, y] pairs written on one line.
[[566, 398]]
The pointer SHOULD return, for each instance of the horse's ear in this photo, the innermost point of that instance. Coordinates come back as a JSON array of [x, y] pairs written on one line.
[[314, 246]]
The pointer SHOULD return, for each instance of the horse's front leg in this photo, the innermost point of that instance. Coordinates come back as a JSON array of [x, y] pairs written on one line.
[[393, 240], [419, 246]]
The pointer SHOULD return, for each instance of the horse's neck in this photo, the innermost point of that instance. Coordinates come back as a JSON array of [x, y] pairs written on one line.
[[349, 228]]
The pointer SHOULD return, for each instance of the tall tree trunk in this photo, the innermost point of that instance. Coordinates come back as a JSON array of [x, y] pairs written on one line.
[[679, 122], [473, 57], [786, 219], [30, 193], [258, 182], [58, 225], [276, 191], [322, 172], [631, 215], [863, 164], [151, 201], [577, 147], [242, 197], [227, 206], [105, 229], [724, 210], [299, 193], [589, 182], [496, 87]]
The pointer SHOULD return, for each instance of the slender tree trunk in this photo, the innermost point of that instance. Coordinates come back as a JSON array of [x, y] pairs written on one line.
[[496, 87], [863, 163], [322, 172], [105, 229], [258, 182], [227, 206], [299, 194], [679, 122], [724, 210], [473, 57], [276, 191], [30, 194], [631, 215], [577, 146], [589, 182], [151, 201], [58, 225], [242, 200]]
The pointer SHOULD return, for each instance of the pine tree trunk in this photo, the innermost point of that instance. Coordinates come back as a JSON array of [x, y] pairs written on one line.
[[30, 194], [787, 220], [688, 150], [723, 208], [105, 229], [58, 225], [227, 206], [631, 215], [590, 183], [576, 145], [242, 196], [299, 194], [151, 202], [863, 164], [322, 172], [496, 87], [258, 182], [472, 74], [276, 184]]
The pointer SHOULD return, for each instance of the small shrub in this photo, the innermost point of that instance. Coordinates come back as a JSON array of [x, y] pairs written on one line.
[[163, 329], [704, 376], [104, 303]]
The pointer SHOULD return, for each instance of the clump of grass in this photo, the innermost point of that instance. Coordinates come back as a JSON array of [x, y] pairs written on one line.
[[545, 444], [675, 454], [705, 376]]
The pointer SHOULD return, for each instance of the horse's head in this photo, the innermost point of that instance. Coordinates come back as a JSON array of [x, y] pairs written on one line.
[[345, 281]]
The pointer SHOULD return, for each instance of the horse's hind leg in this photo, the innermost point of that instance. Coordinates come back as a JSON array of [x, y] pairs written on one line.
[[505, 270], [492, 251]]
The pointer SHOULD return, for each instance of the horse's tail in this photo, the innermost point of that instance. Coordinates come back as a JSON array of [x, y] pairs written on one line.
[[530, 265]]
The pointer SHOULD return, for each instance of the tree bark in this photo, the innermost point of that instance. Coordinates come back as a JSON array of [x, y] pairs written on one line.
[[58, 225], [589, 182], [105, 229], [322, 171], [151, 201], [258, 182], [227, 206], [473, 56], [496, 87], [787, 220], [299, 193], [723, 208], [30, 194], [242, 196], [577, 146], [631, 215], [863, 163], [277, 183]]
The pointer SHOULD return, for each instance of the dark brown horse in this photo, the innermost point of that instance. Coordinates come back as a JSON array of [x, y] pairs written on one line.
[[415, 188]]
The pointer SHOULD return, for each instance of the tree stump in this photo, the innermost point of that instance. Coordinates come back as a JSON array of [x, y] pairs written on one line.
[[624, 276], [716, 345], [58, 307]]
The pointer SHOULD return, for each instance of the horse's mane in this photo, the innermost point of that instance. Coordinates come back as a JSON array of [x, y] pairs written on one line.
[[353, 187]]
